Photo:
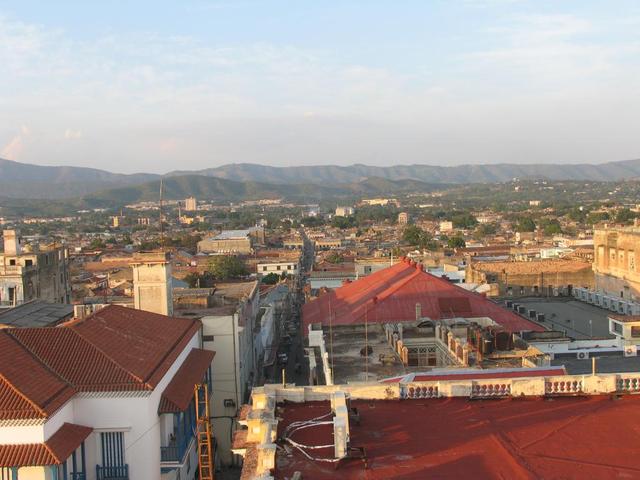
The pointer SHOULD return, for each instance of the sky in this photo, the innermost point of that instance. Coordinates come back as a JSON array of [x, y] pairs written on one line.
[[160, 85]]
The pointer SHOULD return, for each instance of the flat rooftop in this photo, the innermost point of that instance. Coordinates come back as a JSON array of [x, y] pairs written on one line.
[[580, 320], [36, 314], [453, 438], [533, 267]]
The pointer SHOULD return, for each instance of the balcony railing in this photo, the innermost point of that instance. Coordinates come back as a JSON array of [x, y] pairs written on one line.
[[176, 450], [172, 453], [120, 472], [78, 476]]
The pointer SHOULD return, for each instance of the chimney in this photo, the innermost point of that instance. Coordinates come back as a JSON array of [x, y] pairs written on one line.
[[152, 282], [12, 244]]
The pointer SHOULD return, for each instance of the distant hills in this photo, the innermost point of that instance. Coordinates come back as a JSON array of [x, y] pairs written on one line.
[[213, 188], [23, 180], [489, 173], [20, 180]]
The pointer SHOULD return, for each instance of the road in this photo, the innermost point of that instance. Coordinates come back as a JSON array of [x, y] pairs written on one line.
[[297, 368]]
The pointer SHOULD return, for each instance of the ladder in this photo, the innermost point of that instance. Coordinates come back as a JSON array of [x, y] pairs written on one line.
[[203, 432]]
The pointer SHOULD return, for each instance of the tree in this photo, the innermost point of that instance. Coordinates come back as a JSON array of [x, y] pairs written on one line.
[[525, 224], [551, 226], [96, 244], [486, 229], [224, 267], [196, 280], [335, 257], [343, 222], [413, 235], [464, 221], [596, 217], [624, 215], [270, 279], [456, 241]]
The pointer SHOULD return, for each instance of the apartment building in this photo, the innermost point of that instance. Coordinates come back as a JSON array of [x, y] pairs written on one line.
[[33, 272], [615, 268], [230, 327], [107, 397]]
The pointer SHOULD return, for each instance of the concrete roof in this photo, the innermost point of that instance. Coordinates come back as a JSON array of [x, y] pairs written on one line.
[[36, 314]]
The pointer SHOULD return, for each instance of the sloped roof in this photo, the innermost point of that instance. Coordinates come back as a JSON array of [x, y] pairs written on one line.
[[179, 393], [52, 452], [115, 349], [143, 343], [391, 295], [28, 389]]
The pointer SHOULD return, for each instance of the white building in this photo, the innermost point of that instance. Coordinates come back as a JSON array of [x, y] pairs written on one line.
[[190, 204], [288, 266], [344, 211], [230, 328], [107, 397], [446, 226]]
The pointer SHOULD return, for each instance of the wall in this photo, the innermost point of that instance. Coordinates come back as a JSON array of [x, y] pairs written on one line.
[[615, 262], [152, 287], [226, 377]]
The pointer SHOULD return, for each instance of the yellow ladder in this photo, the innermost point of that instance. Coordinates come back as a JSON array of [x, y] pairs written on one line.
[[203, 432]]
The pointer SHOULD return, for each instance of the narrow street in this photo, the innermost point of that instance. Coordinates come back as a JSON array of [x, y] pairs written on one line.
[[296, 369]]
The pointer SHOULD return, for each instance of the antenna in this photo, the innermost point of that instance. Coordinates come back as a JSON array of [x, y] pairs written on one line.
[[331, 339], [366, 342], [161, 224]]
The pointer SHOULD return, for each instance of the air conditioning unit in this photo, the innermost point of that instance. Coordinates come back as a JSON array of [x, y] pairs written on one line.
[[582, 355]]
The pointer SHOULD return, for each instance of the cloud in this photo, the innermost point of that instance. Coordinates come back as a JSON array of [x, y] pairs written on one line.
[[70, 134], [14, 148]]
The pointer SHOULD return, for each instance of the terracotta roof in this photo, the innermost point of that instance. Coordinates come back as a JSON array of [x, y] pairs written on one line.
[[52, 452], [76, 360], [115, 349], [143, 343], [391, 295], [625, 318], [28, 389], [179, 393]]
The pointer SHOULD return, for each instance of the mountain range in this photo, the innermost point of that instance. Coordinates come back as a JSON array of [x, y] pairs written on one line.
[[21, 180]]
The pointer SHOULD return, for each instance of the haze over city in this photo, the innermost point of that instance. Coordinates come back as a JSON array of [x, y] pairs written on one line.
[[159, 86]]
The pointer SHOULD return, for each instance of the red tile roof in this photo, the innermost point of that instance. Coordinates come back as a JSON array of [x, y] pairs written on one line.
[[143, 343], [116, 349], [28, 389], [179, 393], [391, 295], [52, 452], [591, 437]]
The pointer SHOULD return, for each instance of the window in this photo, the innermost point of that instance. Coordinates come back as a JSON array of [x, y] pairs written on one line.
[[207, 338], [278, 267], [632, 261], [617, 328], [289, 267], [112, 449], [28, 262], [12, 262], [6, 474], [264, 269]]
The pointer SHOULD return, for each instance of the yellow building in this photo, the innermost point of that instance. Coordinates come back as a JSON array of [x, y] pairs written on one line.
[[614, 265]]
